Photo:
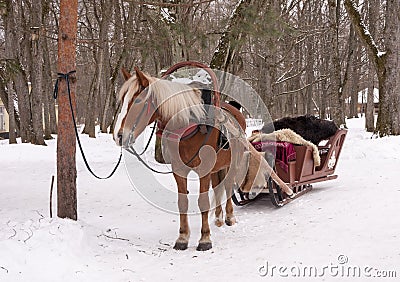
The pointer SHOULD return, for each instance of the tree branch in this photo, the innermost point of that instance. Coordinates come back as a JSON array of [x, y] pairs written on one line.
[[304, 87], [363, 33], [166, 5], [282, 79]]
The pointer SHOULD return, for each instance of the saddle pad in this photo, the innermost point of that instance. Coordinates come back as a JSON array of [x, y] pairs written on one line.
[[180, 133]]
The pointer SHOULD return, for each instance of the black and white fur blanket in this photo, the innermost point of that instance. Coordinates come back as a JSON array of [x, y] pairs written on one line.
[[309, 127]]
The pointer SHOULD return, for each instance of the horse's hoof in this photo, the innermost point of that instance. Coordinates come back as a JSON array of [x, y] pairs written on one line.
[[204, 246], [218, 222], [181, 246], [230, 221]]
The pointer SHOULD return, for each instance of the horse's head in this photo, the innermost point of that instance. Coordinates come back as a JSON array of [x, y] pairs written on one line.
[[136, 108], [145, 99]]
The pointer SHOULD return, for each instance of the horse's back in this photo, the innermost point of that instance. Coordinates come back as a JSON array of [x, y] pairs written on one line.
[[236, 113]]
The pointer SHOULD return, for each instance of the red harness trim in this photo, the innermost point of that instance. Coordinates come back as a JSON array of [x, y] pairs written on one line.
[[178, 134]]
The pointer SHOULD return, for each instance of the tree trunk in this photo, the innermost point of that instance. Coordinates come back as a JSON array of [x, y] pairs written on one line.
[[373, 16], [351, 77], [12, 136], [17, 75], [336, 88], [94, 107], [24, 108], [119, 52], [91, 109], [323, 100], [48, 100], [369, 112], [232, 37], [66, 143], [309, 107], [324, 114], [392, 68], [36, 74], [4, 98], [9, 69]]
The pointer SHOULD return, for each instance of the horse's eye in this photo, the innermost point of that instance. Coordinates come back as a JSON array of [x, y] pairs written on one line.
[[138, 100]]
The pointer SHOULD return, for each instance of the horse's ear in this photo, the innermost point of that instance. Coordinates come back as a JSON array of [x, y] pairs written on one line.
[[141, 77], [125, 73]]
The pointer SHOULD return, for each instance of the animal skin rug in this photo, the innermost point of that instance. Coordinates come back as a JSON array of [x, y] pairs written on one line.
[[287, 135]]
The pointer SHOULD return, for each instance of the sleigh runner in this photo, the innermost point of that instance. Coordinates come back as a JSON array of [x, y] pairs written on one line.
[[300, 171]]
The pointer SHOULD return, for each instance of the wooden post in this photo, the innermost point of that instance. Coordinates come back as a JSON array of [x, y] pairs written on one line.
[[66, 142]]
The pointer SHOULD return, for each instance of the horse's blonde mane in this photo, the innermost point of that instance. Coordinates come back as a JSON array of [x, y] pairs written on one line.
[[129, 88], [177, 100], [178, 103]]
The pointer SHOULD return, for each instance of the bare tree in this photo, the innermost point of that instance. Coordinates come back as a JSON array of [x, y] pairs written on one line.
[[336, 88], [385, 63], [66, 144], [49, 117], [9, 66], [373, 11], [300, 56], [36, 71], [15, 83], [234, 34]]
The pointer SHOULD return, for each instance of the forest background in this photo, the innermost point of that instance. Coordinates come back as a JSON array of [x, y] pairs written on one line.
[[302, 57]]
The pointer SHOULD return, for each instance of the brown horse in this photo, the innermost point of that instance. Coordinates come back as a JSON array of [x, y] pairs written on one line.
[[177, 106]]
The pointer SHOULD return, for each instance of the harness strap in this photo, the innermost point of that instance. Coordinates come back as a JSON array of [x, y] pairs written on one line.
[[180, 133], [148, 142], [132, 150], [55, 95]]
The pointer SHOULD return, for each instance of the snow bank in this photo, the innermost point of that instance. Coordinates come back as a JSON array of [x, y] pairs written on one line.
[[120, 237]]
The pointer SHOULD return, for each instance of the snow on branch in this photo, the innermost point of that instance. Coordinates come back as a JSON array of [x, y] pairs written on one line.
[[363, 32]]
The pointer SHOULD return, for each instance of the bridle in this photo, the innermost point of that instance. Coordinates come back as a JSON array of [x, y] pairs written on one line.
[[148, 106]]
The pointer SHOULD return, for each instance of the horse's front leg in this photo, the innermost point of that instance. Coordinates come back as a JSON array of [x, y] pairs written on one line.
[[184, 231], [204, 205]]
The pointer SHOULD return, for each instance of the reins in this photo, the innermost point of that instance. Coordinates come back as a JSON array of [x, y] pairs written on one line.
[[55, 95], [149, 141], [132, 150]]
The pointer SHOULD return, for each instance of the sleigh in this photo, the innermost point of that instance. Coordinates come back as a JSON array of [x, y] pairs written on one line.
[[300, 172]]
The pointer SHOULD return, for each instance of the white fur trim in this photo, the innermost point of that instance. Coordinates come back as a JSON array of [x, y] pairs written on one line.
[[287, 135]]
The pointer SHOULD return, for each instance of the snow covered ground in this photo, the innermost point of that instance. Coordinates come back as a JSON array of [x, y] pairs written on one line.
[[351, 223]]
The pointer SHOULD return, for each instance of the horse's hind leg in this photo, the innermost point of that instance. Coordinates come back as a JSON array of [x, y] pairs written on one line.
[[227, 186], [218, 192], [184, 232], [204, 205], [230, 218]]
